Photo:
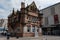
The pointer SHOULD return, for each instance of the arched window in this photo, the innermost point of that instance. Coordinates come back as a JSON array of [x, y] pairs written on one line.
[[33, 28], [28, 29]]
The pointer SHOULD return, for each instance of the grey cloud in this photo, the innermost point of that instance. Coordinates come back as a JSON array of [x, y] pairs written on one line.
[[10, 4]]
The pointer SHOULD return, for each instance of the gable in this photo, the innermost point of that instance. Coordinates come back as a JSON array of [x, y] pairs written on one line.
[[32, 7], [33, 4]]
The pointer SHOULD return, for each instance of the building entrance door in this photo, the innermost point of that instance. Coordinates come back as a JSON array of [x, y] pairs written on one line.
[[36, 31]]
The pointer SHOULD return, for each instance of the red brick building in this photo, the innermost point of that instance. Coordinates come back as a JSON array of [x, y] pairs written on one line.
[[27, 22]]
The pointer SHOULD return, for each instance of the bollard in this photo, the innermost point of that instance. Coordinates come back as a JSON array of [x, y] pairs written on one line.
[[17, 37], [8, 37]]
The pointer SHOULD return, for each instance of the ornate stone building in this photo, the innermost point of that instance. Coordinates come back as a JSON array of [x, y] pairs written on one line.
[[27, 22]]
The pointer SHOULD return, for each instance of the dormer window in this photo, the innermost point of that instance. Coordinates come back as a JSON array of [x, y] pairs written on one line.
[[33, 8]]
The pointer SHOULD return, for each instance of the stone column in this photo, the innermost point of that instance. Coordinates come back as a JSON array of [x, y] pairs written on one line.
[[40, 31], [31, 28], [25, 29], [36, 33]]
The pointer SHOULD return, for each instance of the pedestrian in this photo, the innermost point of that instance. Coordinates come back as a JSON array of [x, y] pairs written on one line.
[[8, 36]]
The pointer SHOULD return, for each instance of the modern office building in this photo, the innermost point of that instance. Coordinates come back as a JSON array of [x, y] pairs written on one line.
[[51, 19]]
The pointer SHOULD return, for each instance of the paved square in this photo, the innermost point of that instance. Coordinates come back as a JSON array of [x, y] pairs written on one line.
[[33, 38]]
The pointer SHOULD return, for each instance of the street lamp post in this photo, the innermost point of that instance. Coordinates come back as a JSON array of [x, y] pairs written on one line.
[[16, 33]]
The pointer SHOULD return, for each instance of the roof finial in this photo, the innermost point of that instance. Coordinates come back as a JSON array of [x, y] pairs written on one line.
[[13, 10]]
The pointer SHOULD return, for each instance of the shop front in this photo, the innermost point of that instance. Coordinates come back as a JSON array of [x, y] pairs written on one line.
[[51, 30]]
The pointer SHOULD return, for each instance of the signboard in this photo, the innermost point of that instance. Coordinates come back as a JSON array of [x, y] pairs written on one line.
[[56, 19]]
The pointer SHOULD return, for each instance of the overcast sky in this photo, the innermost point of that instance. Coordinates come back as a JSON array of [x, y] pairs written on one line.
[[6, 6]]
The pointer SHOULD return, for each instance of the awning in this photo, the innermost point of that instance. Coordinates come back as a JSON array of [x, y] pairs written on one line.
[[48, 26], [55, 24]]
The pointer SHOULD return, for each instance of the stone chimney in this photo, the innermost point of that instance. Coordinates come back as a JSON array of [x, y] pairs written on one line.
[[22, 5]]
